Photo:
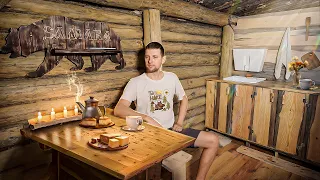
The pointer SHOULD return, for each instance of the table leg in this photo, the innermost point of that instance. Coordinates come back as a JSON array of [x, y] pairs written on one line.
[[154, 172], [53, 169]]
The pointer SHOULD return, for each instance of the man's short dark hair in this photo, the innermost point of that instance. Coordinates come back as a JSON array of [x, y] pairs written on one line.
[[156, 45]]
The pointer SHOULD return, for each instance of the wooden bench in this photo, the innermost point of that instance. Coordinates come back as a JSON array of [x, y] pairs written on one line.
[[182, 165]]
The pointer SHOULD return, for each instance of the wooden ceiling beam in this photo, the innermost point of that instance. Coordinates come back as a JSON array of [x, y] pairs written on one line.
[[174, 8]]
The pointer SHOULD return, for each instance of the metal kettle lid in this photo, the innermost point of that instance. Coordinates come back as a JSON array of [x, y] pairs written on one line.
[[91, 100]]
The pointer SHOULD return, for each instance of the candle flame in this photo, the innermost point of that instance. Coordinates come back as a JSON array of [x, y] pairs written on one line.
[[39, 113], [73, 80], [52, 110]]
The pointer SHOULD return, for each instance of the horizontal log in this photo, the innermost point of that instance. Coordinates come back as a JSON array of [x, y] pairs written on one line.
[[188, 38], [194, 120], [195, 82], [191, 72], [19, 67], [194, 59], [15, 20], [275, 32], [293, 47], [197, 102], [294, 18], [190, 48], [313, 30], [186, 10], [28, 92], [192, 112], [190, 28], [196, 92], [298, 40], [200, 126], [76, 10]]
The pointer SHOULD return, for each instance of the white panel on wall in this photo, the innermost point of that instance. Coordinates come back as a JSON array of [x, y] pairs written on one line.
[[249, 59]]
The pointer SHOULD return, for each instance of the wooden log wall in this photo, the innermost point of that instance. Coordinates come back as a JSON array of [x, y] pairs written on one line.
[[193, 51], [266, 31]]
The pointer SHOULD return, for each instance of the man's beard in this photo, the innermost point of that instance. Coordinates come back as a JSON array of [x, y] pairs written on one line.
[[152, 70]]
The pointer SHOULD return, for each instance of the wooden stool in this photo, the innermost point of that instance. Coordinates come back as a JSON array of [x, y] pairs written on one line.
[[177, 164]]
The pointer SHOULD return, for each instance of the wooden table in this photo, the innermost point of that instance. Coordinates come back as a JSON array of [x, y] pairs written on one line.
[[146, 150]]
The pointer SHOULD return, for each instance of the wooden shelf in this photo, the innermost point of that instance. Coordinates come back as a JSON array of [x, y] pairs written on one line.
[[86, 51]]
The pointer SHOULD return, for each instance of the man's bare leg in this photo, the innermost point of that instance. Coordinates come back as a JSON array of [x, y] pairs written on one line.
[[210, 143]]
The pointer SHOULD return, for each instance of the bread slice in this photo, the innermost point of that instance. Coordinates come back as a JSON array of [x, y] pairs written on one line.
[[104, 138], [113, 143], [123, 140], [104, 121], [89, 122]]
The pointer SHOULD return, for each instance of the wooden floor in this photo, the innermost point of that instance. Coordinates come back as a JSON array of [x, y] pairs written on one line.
[[229, 164]]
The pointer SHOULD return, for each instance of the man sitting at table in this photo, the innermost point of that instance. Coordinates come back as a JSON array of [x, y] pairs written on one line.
[[153, 93]]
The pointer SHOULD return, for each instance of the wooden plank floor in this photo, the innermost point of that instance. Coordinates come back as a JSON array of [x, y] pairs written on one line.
[[230, 164]]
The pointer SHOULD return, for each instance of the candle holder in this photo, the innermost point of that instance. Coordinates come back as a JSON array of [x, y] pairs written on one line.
[[46, 120]]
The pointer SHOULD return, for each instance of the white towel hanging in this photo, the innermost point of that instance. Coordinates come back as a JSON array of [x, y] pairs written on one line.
[[284, 55]]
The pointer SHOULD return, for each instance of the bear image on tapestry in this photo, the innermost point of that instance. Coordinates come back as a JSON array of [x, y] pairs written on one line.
[[68, 35], [158, 100]]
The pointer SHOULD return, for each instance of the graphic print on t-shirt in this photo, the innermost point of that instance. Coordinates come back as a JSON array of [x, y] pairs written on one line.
[[158, 100]]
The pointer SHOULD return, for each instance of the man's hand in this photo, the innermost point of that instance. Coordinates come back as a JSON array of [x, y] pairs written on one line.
[[177, 127]]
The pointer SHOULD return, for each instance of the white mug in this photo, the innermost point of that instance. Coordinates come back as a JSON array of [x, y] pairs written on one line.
[[306, 83], [134, 121]]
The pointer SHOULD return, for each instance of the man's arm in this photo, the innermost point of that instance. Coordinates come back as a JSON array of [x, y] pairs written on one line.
[[182, 114], [123, 109]]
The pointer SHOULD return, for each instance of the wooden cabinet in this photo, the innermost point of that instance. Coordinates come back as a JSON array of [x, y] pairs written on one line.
[[271, 114]]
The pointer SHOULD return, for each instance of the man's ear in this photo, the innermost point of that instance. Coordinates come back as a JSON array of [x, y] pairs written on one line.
[[164, 58]]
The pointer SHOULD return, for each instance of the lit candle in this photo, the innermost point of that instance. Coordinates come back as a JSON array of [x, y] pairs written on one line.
[[53, 114], [65, 112], [39, 117], [75, 110]]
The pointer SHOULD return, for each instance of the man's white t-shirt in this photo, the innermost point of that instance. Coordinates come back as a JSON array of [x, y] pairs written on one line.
[[155, 97]]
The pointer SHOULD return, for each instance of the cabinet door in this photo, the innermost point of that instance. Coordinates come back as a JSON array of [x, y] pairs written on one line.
[[289, 119], [211, 96], [313, 149], [241, 111], [262, 115], [223, 104]]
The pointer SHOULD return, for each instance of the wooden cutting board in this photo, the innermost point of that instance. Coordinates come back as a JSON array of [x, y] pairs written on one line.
[[313, 61]]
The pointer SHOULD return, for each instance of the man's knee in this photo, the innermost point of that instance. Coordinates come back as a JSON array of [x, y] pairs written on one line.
[[214, 140], [207, 140]]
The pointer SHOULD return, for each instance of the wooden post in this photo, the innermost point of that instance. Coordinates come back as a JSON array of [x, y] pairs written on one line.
[[151, 26], [226, 65]]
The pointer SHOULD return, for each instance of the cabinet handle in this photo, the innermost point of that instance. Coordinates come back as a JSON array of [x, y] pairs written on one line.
[[283, 99], [271, 97], [227, 90]]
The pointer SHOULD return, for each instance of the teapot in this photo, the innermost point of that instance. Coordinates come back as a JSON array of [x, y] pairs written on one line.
[[91, 110]]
